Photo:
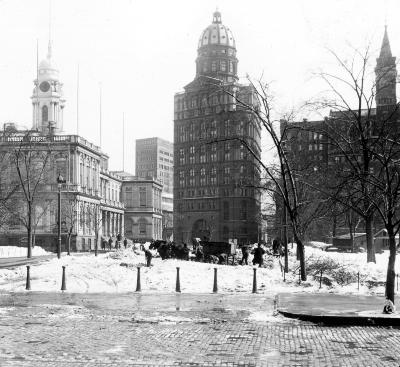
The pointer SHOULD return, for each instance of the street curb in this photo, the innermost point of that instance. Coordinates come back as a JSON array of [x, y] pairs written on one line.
[[343, 320]]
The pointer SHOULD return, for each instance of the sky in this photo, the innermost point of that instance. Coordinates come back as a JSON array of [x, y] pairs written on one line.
[[140, 53]]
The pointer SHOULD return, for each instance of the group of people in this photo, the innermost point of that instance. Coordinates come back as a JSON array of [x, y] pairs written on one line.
[[110, 242], [258, 257]]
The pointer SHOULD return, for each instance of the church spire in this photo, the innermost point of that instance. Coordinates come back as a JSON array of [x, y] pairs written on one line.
[[386, 52], [386, 76]]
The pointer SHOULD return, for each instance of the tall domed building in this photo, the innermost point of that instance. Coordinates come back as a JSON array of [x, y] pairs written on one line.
[[215, 176]]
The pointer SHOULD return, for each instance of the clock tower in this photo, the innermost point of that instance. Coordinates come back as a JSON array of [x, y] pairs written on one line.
[[47, 98]]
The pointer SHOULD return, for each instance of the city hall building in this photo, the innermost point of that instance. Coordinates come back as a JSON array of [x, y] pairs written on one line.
[[91, 206]]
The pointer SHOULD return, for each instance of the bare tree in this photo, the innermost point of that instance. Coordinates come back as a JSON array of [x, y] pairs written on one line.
[[29, 157], [95, 223], [352, 135], [69, 215], [284, 178]]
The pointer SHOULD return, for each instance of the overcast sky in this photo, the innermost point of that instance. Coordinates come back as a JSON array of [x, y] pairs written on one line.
[[143, 52]]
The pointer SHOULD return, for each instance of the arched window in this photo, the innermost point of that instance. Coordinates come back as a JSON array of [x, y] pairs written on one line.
[[45, 114]]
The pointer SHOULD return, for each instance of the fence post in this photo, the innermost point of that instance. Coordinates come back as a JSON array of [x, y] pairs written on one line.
[[358, 281], [28, 278], [299, 275], [178, 283], [63, 282], [254, 280], [138, 285], [320, 280], [215, 288]]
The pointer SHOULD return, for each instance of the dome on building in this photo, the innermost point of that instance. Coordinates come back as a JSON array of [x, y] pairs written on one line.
[[47, 65], [217, 34]]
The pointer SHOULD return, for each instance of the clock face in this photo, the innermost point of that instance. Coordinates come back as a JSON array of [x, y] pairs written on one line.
[[44, 86]]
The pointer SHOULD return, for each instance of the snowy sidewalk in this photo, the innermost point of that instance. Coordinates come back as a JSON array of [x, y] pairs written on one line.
[[335, 309]]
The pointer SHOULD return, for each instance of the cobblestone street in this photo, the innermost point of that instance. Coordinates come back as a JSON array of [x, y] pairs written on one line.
[[38, 329]]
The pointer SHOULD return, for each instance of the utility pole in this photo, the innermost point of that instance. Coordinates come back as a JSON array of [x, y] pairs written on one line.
[[60, 181]]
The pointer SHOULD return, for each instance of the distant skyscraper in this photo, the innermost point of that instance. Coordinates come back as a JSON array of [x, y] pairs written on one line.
[[155, 159], [215, 177]]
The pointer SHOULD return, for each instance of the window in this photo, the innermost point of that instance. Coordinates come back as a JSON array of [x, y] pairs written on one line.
[[142, 196], [214, 66], [223, 65], [45, 114], [142, 227], [230, 66]]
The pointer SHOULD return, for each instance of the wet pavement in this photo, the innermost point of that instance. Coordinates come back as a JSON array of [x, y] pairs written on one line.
[[42, 329], [336, 308]]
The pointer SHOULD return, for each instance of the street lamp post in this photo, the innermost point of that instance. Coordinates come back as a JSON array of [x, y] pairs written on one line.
[[60, 181]]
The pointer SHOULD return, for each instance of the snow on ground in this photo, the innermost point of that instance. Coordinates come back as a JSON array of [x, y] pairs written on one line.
[[14, 251], [104, 273]]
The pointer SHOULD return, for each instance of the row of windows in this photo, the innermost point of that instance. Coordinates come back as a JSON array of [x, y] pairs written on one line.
[[227, 51], [211, 130], [205, 100], [213, 157], [166, 160], [220, 65], [227, 213], [215, 191], [167, 168], [166, 153]]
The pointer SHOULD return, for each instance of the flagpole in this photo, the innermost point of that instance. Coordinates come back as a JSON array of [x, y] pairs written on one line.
[[123, 142], [36, 120], [77, 101], [100, 113]]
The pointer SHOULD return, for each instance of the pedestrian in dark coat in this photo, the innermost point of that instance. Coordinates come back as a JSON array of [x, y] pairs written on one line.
[[258, 255], [148, 256], [245, 255], [185, 252], [110, 243], [125, 243]]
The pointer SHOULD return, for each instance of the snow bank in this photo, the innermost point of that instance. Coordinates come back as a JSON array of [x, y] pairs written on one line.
[[117, 272], [14, 251]]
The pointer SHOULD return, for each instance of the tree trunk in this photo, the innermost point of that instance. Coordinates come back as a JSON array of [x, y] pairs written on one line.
[[391, 275], [334, 227], [301, 255], [29, 244], [69, 243], [370, 239]]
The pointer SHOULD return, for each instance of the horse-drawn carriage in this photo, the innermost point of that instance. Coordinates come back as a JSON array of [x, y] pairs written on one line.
[[218, 252]]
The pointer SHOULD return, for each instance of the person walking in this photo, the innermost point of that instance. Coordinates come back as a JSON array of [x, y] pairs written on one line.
[[258, 255], [245, 255], [148, 255], [110, 243], [125, 243]]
